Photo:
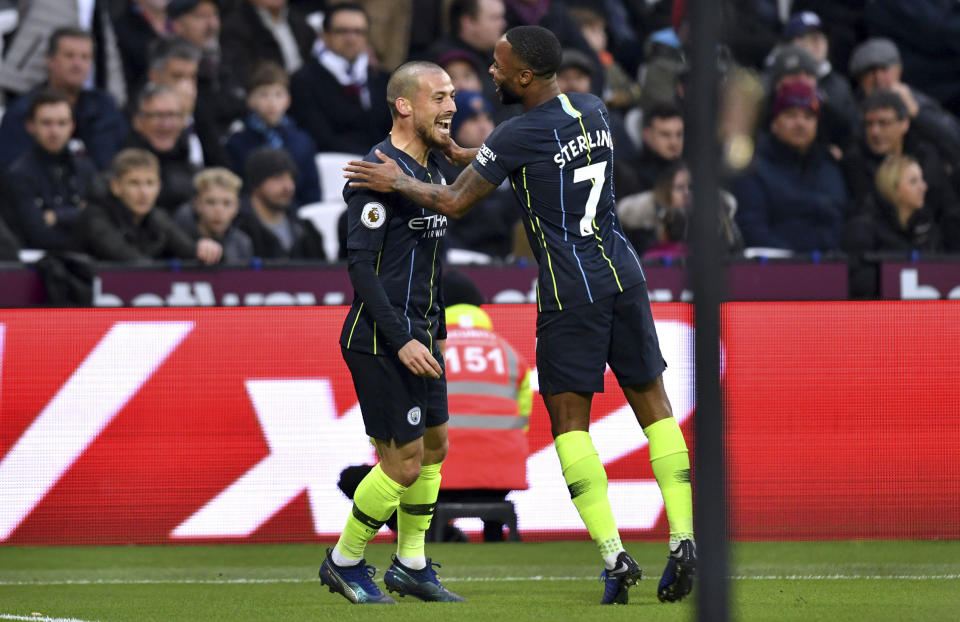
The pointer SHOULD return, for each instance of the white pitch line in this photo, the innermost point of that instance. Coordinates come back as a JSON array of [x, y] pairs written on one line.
[[10, 616], [786, 577]]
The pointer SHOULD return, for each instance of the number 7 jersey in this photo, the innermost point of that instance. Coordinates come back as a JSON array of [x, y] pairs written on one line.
[[559, 157]]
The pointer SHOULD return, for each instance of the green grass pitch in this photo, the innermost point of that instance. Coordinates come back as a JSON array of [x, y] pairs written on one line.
[[555, 581]]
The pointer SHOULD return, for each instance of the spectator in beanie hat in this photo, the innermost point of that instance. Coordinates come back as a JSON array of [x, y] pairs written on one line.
[[793, 197], [794, 60], [268, 209]]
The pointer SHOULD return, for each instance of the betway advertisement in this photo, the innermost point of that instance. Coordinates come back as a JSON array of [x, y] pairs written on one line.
[[217, 424]]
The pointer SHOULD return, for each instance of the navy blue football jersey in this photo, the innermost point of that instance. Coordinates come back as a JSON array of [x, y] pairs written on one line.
[[559, 157], [408, 241]]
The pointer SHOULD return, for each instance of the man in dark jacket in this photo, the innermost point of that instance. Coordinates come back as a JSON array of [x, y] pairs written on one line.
[[219, 89], [338, 97], [46, 186], [268, 212], [99, 123], [794, 197], [475, 28], [124, 226], [259, 30]]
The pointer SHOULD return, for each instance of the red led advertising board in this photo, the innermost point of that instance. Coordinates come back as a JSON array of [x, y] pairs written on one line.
[[206, 425]]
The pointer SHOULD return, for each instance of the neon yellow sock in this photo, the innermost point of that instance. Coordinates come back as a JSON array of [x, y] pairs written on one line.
[[671, 467], [587, 481], [375, 500], [416, 512]]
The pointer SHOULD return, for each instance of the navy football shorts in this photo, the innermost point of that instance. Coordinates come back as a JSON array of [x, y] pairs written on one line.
[[395, 403], [575, 345]]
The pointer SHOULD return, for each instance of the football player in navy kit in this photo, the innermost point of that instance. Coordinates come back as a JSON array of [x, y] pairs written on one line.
[[392, 341], [593, 307]]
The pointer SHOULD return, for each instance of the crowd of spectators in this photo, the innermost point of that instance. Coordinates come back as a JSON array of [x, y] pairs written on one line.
[[137, 130]]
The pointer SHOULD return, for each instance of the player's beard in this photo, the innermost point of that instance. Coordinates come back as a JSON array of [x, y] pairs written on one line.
[[508, 96], [430, 136]]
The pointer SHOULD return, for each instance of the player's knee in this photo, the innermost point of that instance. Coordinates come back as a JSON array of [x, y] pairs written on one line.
[[437, 453], [408, 472]]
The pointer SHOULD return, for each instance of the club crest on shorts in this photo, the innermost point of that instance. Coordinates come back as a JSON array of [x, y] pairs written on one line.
[[373, 215], [413, 415]]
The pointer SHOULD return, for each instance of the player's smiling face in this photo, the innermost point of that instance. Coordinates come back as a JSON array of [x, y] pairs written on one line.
[[505, 71], [434, 109]]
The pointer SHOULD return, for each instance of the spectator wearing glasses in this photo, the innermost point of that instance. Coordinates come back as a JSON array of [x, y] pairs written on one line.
[[876, 66], [339, 97], [887, 131], [158, 126]]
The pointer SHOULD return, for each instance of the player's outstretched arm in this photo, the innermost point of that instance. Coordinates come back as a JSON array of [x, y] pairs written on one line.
[[385, 176]]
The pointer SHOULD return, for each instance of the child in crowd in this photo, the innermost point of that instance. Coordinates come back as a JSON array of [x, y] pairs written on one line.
[[124, 226], [267, 125], [212, 212]]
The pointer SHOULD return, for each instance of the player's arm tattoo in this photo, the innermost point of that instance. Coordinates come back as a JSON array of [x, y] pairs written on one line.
[[455, 200]]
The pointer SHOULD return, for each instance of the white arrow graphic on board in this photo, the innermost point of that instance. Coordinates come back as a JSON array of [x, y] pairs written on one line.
[[309, 446], [97, 390]]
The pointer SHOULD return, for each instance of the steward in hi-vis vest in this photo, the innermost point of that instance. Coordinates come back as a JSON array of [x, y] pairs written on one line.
[[489, 400]]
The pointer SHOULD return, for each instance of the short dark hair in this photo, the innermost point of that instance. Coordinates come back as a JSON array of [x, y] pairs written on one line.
[[885, 99], [132, 158], [267, 73], [405, 80], [537, 48], [149, 92], [661, 110], [458, 10], [69, 32], [45, 97], [163, 49], [342, 6]]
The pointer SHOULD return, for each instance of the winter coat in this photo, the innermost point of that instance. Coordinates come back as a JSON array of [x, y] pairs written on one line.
[[107, 231], [791, 200], [39, 181]]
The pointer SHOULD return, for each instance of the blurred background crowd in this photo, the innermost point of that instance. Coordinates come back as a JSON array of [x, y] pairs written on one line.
[[214, 130]]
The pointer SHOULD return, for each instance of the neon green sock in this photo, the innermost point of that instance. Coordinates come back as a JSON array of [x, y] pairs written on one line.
[[671, 467], [375, 500], [416, 512], [587, 481]]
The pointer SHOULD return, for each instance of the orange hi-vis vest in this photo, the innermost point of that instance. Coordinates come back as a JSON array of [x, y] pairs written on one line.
[[489, 401]]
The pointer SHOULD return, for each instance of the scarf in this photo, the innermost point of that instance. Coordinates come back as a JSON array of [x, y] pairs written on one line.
[[271, 135]]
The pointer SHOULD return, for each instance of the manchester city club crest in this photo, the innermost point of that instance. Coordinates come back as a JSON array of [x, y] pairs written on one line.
[[413, 415], [373, 215]]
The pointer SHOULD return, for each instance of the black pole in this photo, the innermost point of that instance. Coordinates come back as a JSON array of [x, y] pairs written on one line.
[[710, 508]]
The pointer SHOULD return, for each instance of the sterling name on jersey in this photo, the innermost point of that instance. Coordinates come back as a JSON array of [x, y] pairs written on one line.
[[408, 241], [559, 157]]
